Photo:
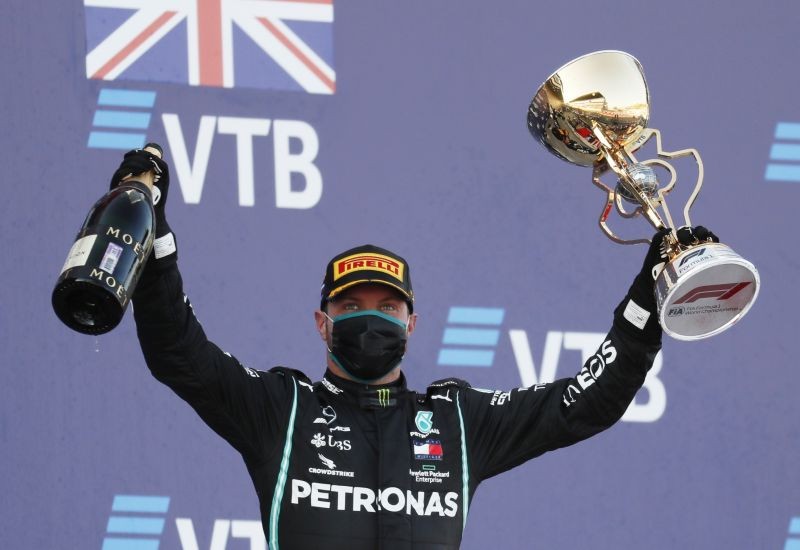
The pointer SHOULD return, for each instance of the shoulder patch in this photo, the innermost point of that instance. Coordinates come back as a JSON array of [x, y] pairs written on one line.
[[441, 390], [441, 386], [286, 371], [252, 373]]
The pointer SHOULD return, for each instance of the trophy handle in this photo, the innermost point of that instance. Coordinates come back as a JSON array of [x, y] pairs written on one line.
[[618, 159], [664, 191], [613, 198]]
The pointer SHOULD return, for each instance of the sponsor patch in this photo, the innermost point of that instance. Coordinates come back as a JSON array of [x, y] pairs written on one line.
[[445, 397], [420, 435], [500, 397], [384, 396], [250, 372], [320, 440], [424, 421], [327, 462], [365, 499], [371, 262], [428, 475], [591, 371], [636, 314], [330, 468], [329, 413], [327, 418], [156, 194], [327, 472], [430, 449], [164, 246], [330, 387]]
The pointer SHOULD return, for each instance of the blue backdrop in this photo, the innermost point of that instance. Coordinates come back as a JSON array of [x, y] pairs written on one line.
[[296, 130]]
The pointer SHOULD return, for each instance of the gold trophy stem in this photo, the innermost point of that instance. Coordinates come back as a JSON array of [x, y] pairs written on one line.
[[618, 160]]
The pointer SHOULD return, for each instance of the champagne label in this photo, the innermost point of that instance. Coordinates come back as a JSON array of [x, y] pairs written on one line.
[[79, 252], [111, 257]]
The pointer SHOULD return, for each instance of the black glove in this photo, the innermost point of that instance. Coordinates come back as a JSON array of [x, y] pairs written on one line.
[[637, 314], [695, 235], [138, 161]]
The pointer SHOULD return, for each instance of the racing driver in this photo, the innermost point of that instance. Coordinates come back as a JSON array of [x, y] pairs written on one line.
[[358, 460]]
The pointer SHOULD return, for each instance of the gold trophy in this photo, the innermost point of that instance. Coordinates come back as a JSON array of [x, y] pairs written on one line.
[[594, 111]]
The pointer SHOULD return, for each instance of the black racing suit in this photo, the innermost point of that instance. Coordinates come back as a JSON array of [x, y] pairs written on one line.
[[342, 465]]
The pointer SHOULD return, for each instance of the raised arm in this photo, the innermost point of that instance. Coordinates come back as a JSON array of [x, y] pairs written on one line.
[[508, 428], [244, 406]]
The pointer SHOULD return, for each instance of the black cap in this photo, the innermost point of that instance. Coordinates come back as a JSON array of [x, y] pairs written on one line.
[[367, 264]]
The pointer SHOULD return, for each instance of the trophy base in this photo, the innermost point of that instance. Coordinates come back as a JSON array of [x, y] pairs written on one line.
[[704, 291]]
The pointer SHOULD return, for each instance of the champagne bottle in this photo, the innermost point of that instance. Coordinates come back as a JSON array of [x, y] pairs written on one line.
[[109, 253]]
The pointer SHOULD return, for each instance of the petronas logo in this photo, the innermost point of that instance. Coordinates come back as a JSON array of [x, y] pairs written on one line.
[[424, 421], [383, 397]]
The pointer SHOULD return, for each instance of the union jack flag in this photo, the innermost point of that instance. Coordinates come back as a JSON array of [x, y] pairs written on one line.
[[284, 44]]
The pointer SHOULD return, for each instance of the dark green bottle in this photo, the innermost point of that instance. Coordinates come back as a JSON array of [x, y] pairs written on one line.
[[106, 259]]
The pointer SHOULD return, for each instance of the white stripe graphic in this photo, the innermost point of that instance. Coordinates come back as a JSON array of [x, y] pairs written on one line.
[[162, 5], [283, 56], [464, 465], [297, 11], [193, 46], [277, 497], [227, 45], [124, 35]]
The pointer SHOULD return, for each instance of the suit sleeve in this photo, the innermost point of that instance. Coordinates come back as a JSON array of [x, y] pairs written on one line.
[[505, 429], [244, 406]]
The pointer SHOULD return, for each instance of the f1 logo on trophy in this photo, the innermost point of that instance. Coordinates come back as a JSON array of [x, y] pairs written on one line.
[[594, 111]]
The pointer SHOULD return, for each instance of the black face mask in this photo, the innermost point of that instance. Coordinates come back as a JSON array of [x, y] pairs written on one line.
[[368, 344]]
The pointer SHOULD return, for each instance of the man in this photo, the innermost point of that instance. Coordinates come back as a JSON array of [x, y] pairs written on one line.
[[357, 460]]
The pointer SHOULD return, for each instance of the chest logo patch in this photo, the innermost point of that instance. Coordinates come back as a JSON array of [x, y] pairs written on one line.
[[430, 449], [424, 421]]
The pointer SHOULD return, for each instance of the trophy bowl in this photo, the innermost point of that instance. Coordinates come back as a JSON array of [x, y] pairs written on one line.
[[605, 88]]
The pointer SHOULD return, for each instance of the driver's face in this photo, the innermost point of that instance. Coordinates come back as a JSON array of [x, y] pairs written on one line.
[[366, 296]]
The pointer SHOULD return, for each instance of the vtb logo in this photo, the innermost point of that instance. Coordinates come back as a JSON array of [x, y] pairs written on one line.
[[123, 121], [720, 292], [786, 154], [140, 522]]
